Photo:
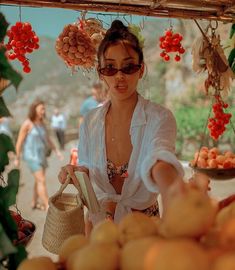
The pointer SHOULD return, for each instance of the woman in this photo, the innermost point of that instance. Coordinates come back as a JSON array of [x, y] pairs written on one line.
[[127, 145], [33, 141]]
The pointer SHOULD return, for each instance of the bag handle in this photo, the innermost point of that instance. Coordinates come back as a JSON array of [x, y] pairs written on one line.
[[65, 184]]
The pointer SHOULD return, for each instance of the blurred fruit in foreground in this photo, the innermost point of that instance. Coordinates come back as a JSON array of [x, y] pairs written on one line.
[[224, 262], [105, 232], [190, 214], [96, 256], [136, 225], [137, 249], [181, 254], [71, 244], [37, 263], [225, 214]]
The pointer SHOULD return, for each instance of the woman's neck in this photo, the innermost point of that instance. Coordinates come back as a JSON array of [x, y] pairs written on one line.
[[38, 121], [123, 108]]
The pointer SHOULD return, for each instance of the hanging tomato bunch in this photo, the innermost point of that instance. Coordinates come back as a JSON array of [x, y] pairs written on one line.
[[22, 40], [220, 119], [171, 42]]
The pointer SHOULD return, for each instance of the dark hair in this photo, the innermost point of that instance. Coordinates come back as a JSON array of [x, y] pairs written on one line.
[[116, 33], [97, 85], [32, 109]]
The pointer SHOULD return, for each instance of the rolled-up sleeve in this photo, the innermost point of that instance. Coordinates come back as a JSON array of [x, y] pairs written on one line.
[[162, 138], [83, 145]]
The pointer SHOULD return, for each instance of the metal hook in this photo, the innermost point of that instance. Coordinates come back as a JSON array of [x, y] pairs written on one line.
[[211, 25], [111, 19], [98, 18], [83, 14], [20, 13], [125, 19], [170, 22], [142, 24]]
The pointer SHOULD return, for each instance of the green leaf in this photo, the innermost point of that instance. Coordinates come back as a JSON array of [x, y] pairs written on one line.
[[231, 57], [6, 70], [6, 246], [233, 67], [3, 27], [16, 258], [7, 220], [3, 108], [232, 31], [6, 146], [13, 185], [8, 193]]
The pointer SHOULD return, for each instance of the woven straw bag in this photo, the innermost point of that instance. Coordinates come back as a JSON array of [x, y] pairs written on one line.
[[65, 217]]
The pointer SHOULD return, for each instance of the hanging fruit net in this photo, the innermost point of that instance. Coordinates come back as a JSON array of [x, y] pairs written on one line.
[[78, 43]]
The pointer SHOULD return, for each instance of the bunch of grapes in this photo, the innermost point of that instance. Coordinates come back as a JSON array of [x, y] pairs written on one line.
[[220, 119], [171, 42], [22, 40]]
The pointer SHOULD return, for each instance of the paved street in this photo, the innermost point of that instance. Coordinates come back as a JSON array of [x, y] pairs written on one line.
[[220, 189]]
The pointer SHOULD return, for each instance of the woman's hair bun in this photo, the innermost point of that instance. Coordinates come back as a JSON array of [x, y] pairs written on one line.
[[117, 25]]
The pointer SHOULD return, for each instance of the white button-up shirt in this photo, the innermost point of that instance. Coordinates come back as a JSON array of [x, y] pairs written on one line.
[[153, 135]]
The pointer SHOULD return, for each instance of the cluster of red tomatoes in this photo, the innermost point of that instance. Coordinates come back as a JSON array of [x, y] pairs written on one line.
[[220, 119], [25, 228], [22, 40], [171, 42]]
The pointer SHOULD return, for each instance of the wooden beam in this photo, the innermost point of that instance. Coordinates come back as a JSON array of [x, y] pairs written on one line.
[[164, 8]]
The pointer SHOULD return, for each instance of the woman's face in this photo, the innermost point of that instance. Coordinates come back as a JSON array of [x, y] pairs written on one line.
[[40, 111], [120, 85]]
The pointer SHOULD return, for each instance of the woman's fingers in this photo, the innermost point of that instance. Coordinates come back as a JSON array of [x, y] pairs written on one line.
[[65, 171], [200, 181], [69, 170]]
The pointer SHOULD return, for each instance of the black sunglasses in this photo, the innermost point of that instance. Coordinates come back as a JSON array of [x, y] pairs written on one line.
[[110, 71]]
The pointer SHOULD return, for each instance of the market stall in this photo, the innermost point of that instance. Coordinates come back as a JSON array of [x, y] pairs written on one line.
[[140, 242]]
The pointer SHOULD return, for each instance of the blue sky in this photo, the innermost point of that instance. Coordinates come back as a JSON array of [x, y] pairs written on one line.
[[50, 21]]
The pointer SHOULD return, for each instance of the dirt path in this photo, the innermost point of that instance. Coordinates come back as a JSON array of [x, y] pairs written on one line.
[[219, 189], [24, 197]]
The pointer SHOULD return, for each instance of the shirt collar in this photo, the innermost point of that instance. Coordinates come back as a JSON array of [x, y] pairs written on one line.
[[139, 115]]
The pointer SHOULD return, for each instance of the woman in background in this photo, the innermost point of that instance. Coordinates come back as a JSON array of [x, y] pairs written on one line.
[[34, 143]]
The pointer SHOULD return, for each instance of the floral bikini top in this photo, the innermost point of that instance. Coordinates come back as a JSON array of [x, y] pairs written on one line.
[[113, 170]]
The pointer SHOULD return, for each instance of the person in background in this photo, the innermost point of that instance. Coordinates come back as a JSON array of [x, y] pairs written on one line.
[[58, 124], [126, 146], [33, 142], [96, 99]]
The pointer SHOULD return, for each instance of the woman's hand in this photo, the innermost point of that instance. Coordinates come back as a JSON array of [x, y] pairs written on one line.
[[180, 188], [17, 162], [69, 170], [175, 188], [200, 181]]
